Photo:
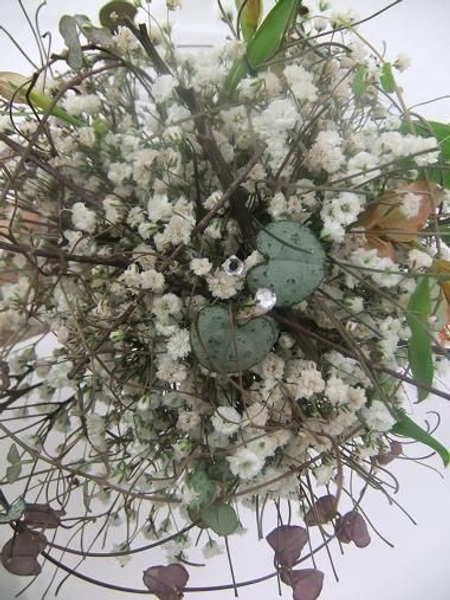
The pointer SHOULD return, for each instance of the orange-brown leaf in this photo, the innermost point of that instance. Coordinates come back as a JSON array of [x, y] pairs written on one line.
[[386, 223]]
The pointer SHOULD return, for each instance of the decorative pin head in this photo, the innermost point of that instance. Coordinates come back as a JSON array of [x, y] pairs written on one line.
[[233, 266]]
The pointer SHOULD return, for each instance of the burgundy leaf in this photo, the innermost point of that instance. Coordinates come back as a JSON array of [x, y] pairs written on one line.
[[19, 554], [166, 582], [322, 511], [384, 458], [287, 541], [42, 515], [352, 528], [306, 583]]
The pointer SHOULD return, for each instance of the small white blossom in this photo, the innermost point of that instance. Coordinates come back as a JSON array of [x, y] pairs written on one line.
[[166, 306], [301, 82], [277, 205], [125, 40], [310, 382], [211, 549], [171, 371], [323, 474], [86, 136], [226, 420], [178, 230], [179, 345], [402, 62], [410, 204], [419, 260], [83, 218], [222, 285], [119, 172], [188, 420], [96, 431], [245, 463], [336, 391], [200, 266], [152, 280], [162, 88], [77, 104], [326, 153], [377, 417]]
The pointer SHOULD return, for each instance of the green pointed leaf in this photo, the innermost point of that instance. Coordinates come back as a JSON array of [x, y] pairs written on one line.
[[220, 517], [406, 427], [13, 455], [295, 262], [14, 512], [359, 83], [69, 30], [264, 44], [223, 346], [387, 79], [16, 87], [13, 472], [250, 17], [420, 352]]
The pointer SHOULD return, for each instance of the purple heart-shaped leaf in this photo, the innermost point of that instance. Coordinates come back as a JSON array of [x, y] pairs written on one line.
[[19, 554], [384, 458], [322, 511], [351, 527], [166, 582], [306, 583], [42, 515], [288, 542]]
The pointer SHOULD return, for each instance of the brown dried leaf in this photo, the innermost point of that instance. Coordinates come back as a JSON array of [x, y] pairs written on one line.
[[386, 223]]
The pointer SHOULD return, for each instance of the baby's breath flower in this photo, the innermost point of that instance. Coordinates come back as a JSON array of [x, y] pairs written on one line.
[[83, 218], [245, 463]]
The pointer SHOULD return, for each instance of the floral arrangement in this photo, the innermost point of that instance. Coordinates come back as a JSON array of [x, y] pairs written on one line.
[[241, 256]]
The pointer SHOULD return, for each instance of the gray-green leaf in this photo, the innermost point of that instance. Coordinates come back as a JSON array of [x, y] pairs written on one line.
[[14, 512], [221, 345], [69, 30], [13, 472], [295, 262], [13, 455], [220, 517]]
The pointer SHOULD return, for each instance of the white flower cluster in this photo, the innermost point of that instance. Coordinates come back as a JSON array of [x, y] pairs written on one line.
[[158, 201]]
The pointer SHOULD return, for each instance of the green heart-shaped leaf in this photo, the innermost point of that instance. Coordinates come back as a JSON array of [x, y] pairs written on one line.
[[295, 262], [114, 13], [220, 517], [221, 345]]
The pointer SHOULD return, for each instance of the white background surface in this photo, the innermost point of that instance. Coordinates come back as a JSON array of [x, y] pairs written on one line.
[[418, 567]]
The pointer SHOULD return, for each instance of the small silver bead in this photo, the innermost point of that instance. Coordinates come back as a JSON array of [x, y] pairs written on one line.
[[233, 266]]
